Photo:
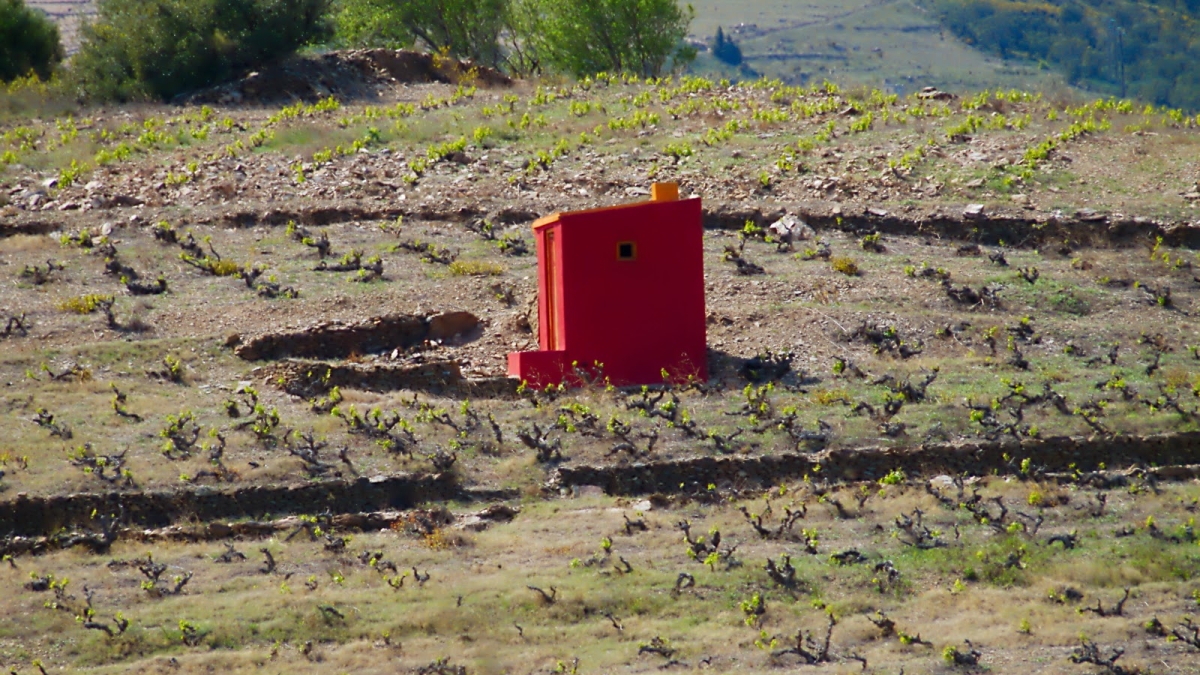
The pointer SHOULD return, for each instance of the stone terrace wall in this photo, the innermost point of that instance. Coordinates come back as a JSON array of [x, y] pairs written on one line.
[[1060, 454], [31, 516]]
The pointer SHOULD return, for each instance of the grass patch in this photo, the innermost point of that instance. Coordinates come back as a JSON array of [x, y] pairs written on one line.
[[213, 266], [1070, 302], [1057, 296], [475, 268], [84, 304], [845, 264], [306, 137]]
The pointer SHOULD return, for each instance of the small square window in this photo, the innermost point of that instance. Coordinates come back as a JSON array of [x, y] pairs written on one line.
[[626, 250]]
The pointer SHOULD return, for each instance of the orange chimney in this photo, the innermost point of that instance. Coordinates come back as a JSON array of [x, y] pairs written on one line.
[[664, 192]]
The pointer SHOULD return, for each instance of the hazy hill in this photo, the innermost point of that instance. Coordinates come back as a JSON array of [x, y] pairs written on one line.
[[67, 13], [894, 44], [1141, 50], [1146, 50]]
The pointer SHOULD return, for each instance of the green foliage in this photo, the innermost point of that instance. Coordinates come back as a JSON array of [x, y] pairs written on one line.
[[28, 42], [845, 265], [370, 23], [862, 124], [725, 49], [69, 174], [84, 304], [475, 268], [462, 28], [481, 134], [679, 150], [160, 48], [213, 266], [950, 653], [577, 37], [586, 37], [440, 151], [753, 608]]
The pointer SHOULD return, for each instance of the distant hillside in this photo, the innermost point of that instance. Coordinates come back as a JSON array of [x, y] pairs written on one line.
[[68, 14], [897, 45], [1145, 49]]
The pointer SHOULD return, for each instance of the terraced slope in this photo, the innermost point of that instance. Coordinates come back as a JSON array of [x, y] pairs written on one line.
[[206, 304]]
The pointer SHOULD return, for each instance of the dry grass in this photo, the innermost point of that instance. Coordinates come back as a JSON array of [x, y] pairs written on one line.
[[477, 591], [476, 268]]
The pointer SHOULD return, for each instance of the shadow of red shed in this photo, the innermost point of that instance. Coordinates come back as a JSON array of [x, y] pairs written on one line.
[[622, 287]]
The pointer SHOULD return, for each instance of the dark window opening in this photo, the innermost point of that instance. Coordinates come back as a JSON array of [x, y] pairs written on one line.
[[626, 250]]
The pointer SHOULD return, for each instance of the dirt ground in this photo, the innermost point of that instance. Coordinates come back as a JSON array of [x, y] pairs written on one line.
[[943, 328]]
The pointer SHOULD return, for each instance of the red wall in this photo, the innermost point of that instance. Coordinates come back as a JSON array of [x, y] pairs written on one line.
[[637, 317]]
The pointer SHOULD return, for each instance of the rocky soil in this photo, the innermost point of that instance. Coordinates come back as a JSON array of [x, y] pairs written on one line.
[[298, 288]]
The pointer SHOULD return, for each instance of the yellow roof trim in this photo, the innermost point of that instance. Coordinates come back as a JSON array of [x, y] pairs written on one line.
[[546, 220], [555, 217]]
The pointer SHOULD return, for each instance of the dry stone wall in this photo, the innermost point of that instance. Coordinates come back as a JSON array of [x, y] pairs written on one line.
[[949, 223], [313, 378], [28, 515], [1051, 455], [373, 336], [1167, 456], [1084, 228]]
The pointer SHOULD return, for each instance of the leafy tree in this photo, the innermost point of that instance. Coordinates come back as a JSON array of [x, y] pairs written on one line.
[[160, 48], [726, 50], [579, 37], [371, 23], [28, 42], [464, 28], [584, 37]]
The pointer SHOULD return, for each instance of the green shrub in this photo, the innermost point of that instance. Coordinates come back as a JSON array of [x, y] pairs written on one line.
[[475, 268], [1071, 303], [161, 48], [84, 304], [845, 265], [370, 23], [28, 42], [461, 28], [578, 37], [725, 49], [583, 37]]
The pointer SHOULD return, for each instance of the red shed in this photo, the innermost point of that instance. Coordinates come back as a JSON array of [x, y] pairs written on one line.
[[622, 286]]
